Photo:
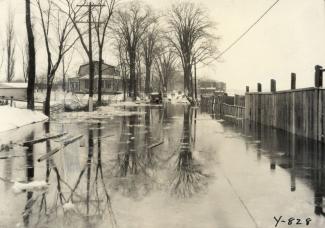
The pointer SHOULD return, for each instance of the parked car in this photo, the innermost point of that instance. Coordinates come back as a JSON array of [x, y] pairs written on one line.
[[155, 98]]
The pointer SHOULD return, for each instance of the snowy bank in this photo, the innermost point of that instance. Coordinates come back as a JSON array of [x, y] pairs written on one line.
[[11, 118]]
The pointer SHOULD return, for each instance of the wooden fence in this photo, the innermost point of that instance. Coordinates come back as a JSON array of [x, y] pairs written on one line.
[[299, 111]]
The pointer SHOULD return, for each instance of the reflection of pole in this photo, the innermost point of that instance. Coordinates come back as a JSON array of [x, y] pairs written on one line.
[[90, 154], [30, 177]]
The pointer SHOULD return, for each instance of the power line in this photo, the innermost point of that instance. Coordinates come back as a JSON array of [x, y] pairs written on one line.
[[249, 28]]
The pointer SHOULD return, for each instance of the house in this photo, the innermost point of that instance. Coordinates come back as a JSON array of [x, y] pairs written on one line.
[[111, 80], [16, 90]]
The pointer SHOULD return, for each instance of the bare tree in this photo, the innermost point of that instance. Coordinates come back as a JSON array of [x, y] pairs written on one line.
[[57, 42], [2, 53], [132, 21], [165, 66], [150, 50], [31, 57], [101, 26], [10, 47], [122, 58], [66, 62], [190, 34], [24, 59]]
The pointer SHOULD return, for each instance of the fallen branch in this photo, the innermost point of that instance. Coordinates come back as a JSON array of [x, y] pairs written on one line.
[[65, 143], [102, 137], [72, 140], [35, 141], [155, 145]]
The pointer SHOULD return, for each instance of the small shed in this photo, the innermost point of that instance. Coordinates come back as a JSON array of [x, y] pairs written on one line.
[[12, 89]]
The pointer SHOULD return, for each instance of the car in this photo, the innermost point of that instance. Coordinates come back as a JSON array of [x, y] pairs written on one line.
[[155, 98]]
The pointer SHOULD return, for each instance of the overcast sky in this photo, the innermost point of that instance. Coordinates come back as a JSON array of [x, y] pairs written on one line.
[[291, 38]]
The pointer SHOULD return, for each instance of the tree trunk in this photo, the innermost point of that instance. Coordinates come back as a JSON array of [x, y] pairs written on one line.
[[187, 79], [147, 81], [63, 74], [133, 81], [124, 89], [100, 73], [31, 59], [47, 104]]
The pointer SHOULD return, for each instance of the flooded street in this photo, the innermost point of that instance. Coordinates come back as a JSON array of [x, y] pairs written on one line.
[[155, 166]]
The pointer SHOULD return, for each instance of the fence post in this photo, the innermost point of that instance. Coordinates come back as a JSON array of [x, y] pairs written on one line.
[[318, 76], [273, 85], [259, 87], [293, 80], [11, 100], [247, 89]]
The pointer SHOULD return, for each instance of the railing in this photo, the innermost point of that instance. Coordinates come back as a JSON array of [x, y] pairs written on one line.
[[6, 101], [233, 111], [224, 106]]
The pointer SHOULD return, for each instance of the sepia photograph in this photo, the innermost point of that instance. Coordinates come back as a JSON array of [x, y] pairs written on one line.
[[162, 113]]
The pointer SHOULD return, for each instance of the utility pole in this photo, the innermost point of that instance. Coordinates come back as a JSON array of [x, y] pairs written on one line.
[[90, 5]]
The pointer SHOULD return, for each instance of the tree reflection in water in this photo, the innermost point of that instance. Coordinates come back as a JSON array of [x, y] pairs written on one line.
[[136, 163], [188, 177], [89, 207]]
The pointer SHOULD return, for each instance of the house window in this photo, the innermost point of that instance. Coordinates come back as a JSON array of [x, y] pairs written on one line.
[[107, 84], [87, 84]]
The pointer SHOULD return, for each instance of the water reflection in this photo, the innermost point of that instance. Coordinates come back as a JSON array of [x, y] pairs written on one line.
[[29, 178], [303, 158], [137, 162], [188, 178]]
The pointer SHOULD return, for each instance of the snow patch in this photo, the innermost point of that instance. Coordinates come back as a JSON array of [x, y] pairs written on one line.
[[31, 186], [12, 118], [68, 206]]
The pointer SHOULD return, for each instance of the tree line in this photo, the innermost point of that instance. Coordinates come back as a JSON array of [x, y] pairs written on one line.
[[146, 42]]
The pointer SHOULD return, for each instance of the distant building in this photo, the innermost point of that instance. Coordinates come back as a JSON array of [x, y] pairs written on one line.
[[209, 87], [111, 80]]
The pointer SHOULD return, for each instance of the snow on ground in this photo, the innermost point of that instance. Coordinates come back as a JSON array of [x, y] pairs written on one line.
[[11, 118], [103, 112], [69, 207], [133, 104]]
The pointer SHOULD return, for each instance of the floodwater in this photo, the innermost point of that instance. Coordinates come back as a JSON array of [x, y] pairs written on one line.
[[156, 166]]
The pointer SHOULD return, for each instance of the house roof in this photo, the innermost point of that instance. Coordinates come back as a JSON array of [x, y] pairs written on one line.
[[96, 66], [103, 77]]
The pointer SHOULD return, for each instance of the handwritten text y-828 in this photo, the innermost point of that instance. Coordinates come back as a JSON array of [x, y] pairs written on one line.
[[291, 221]]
